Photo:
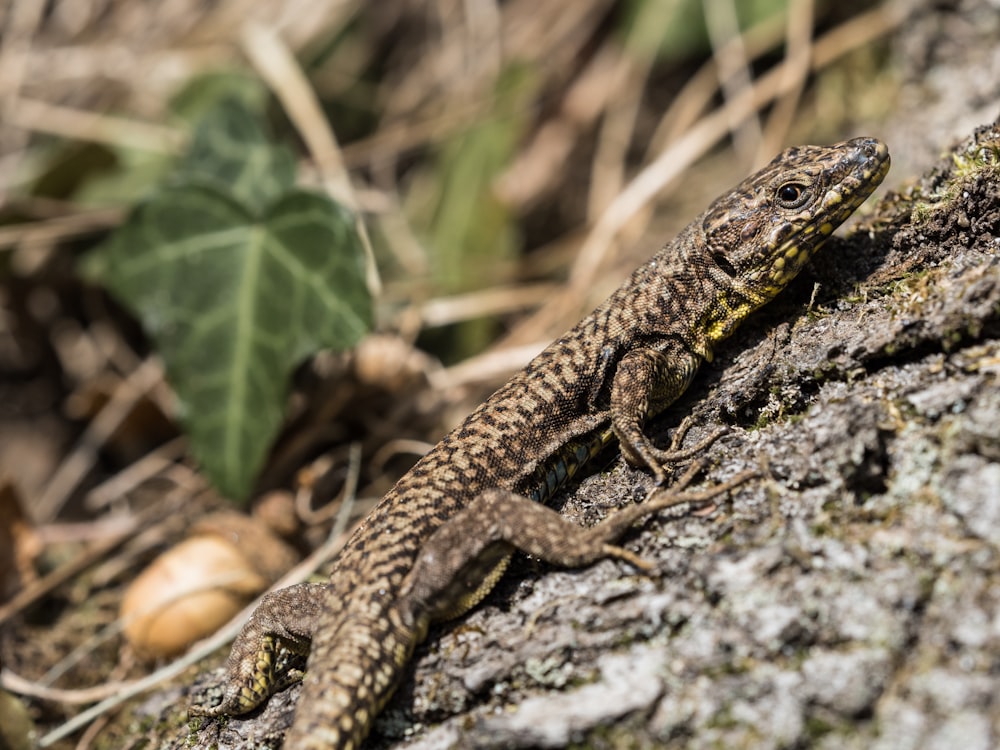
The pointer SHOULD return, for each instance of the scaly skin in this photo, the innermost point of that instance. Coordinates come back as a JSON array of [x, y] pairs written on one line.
[[439, 540]]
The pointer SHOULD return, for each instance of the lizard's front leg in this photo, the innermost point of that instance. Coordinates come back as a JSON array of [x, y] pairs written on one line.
[[646, 382], [284, 618]]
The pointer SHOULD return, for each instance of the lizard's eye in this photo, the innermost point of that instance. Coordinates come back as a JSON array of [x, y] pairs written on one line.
[[792, 194]]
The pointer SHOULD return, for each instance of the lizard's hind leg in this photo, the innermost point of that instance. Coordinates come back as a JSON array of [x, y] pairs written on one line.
[[469, 546]]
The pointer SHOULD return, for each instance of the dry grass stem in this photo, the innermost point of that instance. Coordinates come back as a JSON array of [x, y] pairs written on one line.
[[80, 125], [733, 65], [491, 367], [81, 459], [798, 50], [136, 473], [487, 302], [81, 696]]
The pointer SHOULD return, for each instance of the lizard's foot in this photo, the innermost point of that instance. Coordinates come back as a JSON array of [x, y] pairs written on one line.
[[269, 652], [636, 561], [275, 670], [666, 459]]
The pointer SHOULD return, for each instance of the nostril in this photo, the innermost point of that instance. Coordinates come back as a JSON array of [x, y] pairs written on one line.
[[874, 147], [868, 149]]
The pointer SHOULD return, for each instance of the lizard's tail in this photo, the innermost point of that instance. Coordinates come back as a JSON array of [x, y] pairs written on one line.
[[363, 660]]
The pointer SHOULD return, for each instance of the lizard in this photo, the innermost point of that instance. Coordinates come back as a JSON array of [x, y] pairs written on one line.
[[440, 539]]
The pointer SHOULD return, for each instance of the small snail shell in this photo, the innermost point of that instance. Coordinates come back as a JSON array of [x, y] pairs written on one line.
[[199, 584]]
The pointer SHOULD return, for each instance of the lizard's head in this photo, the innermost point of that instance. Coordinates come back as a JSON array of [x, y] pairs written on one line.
[[764, 230]]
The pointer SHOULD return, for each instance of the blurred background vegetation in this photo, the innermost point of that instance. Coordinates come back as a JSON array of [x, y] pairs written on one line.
[[483, 140], [511, 161]]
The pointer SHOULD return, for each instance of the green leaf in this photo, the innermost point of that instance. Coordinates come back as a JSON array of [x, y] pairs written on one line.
[[231, 151], [137, 172], [234, 302], [471, 231], [201, 93]]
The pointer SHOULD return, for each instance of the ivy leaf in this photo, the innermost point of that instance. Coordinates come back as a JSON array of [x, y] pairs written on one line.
[[234, 300], [231, 151]]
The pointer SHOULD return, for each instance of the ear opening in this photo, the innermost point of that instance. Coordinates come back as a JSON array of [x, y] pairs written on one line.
[[723, 262]]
